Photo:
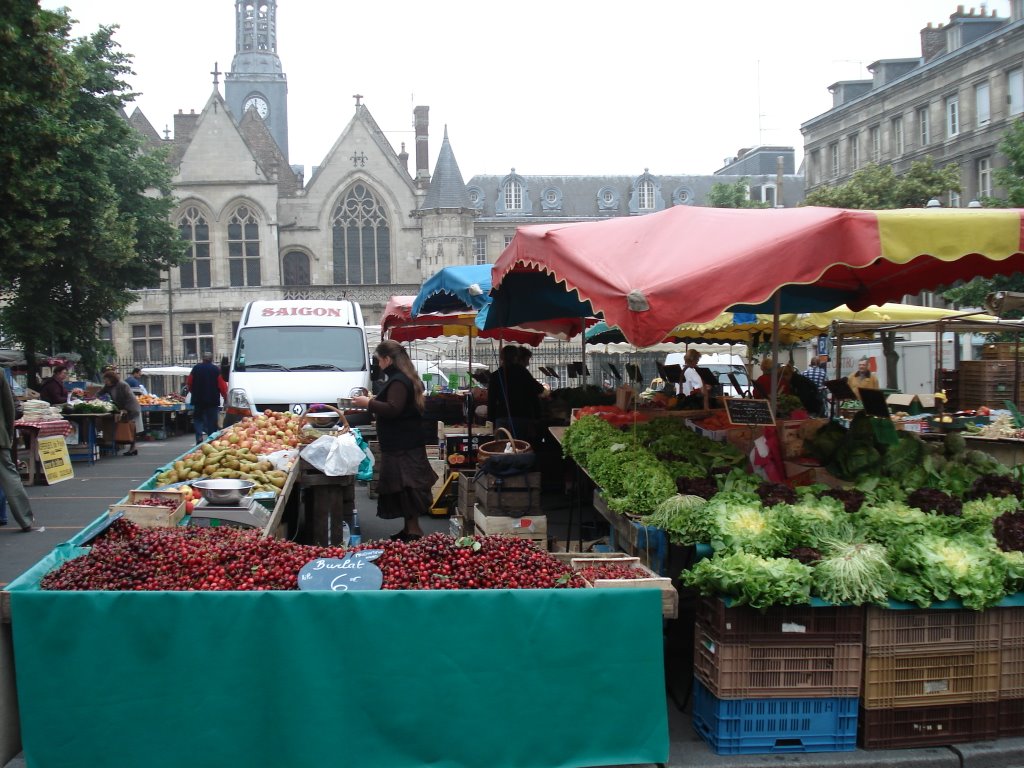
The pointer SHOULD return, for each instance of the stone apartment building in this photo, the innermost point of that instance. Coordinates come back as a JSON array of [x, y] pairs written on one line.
[[364, 225], [953, 103]]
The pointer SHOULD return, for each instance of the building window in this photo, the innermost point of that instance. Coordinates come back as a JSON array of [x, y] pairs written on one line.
[[513, 196], [898, 146], [984, 166], [508, 240], [1015, 91], [982, 104], [243, 247], [362, 239], [924, 131], [480, 249], [875, 139], [833, 153], [148, 342], [195, 273], [768, 195], [954, 199], [952, 116], [105, 332], [854, 140], [296, 268], [645, 195], [196, 339]]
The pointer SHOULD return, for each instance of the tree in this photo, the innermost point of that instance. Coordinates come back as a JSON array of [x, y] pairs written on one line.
[[735, 195], [113, 204], [1011, 177], [877, 187]]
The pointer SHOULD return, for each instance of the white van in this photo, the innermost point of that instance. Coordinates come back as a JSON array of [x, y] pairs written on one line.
[[291, 353]]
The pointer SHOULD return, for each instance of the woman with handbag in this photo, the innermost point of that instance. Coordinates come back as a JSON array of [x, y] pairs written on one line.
[[406, 477], [128, 406]]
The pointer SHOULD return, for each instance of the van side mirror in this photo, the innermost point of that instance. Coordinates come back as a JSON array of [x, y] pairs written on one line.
[[374, 369]]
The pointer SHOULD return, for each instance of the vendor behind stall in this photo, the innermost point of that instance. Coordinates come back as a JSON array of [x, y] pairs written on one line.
[[862, 377], [692, 388], [52, 389]]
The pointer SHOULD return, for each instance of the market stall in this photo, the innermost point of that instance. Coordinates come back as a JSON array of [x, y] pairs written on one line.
[[342, 658]]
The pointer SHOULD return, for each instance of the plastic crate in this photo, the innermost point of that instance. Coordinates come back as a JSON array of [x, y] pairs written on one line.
[[917, 631], [774, 725], [1011, 718], [930, 676], [1012, 620], [751, 670], [927, 726], [798, 624], [1011, 673]]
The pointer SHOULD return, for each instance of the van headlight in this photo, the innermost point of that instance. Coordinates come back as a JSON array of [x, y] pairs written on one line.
[[237, 398]]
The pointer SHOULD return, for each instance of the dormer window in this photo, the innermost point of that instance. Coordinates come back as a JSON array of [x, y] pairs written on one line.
[[645, 195], [513, 196]]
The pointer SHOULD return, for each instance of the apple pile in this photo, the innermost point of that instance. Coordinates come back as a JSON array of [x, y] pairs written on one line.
[[270, 431], [130, 558]]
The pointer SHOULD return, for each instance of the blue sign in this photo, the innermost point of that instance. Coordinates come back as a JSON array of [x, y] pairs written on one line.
[[352, 573]]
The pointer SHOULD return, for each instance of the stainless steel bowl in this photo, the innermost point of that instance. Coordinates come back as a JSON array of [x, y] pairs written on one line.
[[224, 491], [323, 419]]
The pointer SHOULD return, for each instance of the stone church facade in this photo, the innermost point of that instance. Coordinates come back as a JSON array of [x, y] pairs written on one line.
[[364, 226]]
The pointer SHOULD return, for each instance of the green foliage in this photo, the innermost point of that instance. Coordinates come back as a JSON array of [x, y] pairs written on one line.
[[104, 209], [752, 580], [877, 187], [735, 195], [1011, 178]]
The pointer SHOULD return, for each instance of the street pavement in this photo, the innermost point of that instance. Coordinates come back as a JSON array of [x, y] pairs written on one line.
[[65, 508]]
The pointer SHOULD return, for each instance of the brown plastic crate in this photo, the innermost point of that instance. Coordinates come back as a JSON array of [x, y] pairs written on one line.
[[917, 631], [799, 624], [765, 670], [927, 726], [929, 677], [1012, 620], [1011, 673], [1011, 718]]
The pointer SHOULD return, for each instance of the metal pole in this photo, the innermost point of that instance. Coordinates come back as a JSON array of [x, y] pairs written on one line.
[[775, 349]]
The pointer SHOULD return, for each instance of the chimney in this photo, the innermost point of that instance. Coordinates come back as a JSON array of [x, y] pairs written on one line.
[[422, 122], [780, 176], [933, 42], [403, 158], [185, 126]]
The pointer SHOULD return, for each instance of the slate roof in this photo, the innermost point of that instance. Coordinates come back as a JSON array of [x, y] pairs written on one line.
[[447, 189]]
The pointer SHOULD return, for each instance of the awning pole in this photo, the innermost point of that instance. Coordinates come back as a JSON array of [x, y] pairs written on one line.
[[776, 310]]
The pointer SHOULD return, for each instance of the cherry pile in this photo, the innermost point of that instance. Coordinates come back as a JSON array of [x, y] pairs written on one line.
[[612, 571], [130, 558], [157, 502]]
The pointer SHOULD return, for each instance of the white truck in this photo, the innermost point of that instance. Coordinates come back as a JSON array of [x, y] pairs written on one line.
[[289, 354]]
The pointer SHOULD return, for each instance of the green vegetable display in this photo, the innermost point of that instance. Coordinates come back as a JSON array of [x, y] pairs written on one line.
[[751, 580]]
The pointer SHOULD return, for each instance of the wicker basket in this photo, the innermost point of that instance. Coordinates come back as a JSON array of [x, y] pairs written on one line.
[[497, 447]]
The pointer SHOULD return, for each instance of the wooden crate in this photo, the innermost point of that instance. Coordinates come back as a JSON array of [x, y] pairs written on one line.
[[648, 543], [151, 517], [1002, 350], [514, 495], [532, 527], [466, 496], [651, 580]]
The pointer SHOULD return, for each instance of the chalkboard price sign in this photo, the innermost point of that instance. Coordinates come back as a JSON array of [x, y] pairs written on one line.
[[745, 411], [352, 573]]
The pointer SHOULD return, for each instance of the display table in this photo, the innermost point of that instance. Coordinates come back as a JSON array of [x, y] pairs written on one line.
[[387, 678], [95, 435], [166, 419], [31, 431]]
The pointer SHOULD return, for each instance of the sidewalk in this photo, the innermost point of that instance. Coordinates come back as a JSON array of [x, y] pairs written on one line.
[[66, 507]]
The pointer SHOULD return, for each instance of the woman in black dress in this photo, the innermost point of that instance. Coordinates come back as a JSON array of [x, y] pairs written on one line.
[[406, 477]]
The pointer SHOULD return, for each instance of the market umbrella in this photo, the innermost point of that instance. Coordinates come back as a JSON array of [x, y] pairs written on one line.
[[647, 274], [398, 323], [454, 289]]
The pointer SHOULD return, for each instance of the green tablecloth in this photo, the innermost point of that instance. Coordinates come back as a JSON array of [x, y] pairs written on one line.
[[462, 678]]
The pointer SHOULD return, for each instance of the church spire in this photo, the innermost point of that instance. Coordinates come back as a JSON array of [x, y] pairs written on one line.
[[256, 26]]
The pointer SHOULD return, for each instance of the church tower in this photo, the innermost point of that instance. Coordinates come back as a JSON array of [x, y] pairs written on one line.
[[256, 79]]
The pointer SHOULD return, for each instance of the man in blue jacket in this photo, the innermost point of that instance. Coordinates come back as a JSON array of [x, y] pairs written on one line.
[[207, 387]]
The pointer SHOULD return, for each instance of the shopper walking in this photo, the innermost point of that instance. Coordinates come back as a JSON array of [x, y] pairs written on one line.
[[406, 477], [10, 480], [207, 387]]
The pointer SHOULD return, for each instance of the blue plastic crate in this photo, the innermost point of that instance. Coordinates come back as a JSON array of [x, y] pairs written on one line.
[[772, 726]]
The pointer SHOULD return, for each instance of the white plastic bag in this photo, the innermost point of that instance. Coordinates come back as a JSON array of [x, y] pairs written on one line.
[[282, 459], [334, 456]]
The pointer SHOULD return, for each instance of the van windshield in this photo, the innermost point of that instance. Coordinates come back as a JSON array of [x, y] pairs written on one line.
[[307, 348]]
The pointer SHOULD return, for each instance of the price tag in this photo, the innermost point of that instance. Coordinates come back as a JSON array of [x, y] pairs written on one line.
[[353, 573]]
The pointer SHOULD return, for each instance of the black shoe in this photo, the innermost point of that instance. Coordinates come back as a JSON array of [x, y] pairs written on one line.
[[132, 452], [3, 523]]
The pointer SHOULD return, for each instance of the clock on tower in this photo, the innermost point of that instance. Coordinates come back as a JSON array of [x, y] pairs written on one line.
[[259, 103]]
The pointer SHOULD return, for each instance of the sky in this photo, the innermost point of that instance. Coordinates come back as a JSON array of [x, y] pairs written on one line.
[[548, 87]]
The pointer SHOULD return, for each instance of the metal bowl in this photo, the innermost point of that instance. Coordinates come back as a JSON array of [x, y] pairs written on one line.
[[322, 419], [224, 491]]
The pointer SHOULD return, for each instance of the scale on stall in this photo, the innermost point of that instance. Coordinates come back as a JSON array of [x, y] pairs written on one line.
[[248, 513]]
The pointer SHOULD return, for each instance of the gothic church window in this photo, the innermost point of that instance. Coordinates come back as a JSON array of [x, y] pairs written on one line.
[[244, 247], [361, 238], [194, 229], [296, 268]]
